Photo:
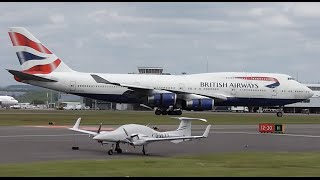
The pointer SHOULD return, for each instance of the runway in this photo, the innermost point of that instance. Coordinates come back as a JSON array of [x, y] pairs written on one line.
[[31, 144]]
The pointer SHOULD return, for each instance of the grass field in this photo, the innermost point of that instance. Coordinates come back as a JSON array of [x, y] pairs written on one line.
[[226, 164], [43, 117]]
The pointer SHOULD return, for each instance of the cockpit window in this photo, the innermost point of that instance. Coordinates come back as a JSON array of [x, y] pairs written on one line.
[[290, 78]]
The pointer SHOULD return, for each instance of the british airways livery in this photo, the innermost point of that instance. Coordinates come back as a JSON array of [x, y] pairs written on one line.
[[167, 94]]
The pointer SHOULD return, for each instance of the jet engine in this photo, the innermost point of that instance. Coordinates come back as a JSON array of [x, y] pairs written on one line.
[[163, 99], [200, 104]]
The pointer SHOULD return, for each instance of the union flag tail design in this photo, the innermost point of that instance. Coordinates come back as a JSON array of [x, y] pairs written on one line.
[[34, 57]]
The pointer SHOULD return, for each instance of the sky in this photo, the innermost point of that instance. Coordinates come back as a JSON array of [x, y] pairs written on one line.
[[191, 37]]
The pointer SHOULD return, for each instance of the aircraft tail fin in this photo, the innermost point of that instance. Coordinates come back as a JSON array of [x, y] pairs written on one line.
[[34, 57], [184, 128], [206, 132], [76, 128]]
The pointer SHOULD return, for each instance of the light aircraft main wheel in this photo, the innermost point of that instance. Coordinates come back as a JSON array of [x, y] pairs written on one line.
[[157, 112], [110, 152], [279, 114]]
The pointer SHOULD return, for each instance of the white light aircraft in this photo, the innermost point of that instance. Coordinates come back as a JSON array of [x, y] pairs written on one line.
[[140, 135], [7, 101], [167, 94]]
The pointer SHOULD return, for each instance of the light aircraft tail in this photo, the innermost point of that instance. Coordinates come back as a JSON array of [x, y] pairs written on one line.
[[184, 128], [33, 56], [76, 128]]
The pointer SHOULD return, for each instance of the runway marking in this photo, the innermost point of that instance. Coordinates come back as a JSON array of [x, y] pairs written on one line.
[[294, 135], [42, 135]]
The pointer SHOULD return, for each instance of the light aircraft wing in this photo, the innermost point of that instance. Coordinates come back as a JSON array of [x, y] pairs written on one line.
[[205, 134], [76, 128], [145, 89]]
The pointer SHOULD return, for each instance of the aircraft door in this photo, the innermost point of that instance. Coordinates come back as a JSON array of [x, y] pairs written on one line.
[[233, 91], [72, 85], [181, 87], [274, 93]]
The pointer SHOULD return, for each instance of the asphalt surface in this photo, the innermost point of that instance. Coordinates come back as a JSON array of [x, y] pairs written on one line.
[[30, 144]]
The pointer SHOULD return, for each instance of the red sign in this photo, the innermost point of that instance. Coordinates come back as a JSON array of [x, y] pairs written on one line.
[[266, 127]]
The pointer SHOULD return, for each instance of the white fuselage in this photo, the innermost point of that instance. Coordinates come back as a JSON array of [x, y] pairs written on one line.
[[7, 101], [239, 91]]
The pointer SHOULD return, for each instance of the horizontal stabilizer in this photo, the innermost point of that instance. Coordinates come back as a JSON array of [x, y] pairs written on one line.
[[190, 118], [26, 76]]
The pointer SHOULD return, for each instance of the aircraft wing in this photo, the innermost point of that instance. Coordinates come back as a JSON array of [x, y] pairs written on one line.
[[99, 79], [145, 89], [205, 134]]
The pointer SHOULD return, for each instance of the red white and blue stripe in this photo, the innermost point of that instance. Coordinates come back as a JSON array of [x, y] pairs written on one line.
[[275, 81]]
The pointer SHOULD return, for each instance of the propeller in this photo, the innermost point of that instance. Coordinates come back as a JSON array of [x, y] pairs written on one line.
[[99, 128], [125, 131], [130, 137]]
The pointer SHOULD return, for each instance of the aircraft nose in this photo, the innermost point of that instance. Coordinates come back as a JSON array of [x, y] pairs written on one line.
[[309, 93], [97, 137]]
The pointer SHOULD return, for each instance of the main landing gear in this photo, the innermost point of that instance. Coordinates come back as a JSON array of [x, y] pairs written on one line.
[[117, 149], [144, 150], [168, 112], [280, 112]]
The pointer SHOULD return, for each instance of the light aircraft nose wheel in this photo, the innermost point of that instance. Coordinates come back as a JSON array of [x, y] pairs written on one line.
[[110, 152]]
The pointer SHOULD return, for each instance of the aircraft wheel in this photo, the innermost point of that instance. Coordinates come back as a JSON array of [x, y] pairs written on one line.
[[110, 152], [164, 112], [279, 114], [179, 112], [157, 112]]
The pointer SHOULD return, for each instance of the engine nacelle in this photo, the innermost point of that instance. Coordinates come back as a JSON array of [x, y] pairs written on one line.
[[200, 104], [163, 99]]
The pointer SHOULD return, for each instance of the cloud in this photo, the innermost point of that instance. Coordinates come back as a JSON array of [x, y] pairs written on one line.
[[257, 11], [105, 16], [57, 19], [117, 35], [306, 9], [278, 20]]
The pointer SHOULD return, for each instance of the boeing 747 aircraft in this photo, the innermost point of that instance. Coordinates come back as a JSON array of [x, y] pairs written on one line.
[[167, 94]]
